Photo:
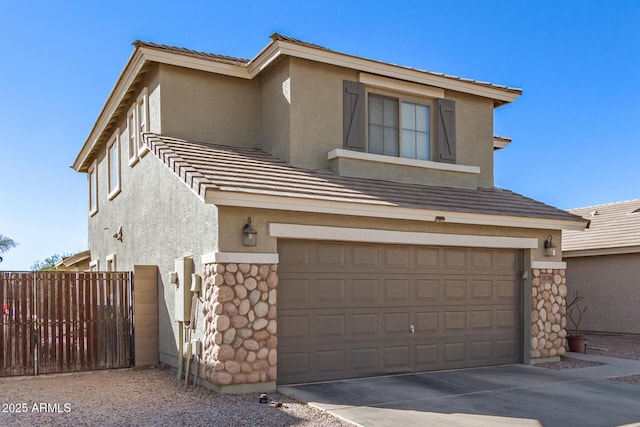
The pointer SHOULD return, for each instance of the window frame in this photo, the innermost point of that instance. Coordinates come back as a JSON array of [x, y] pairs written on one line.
[[111, 263], [94, 266], [132, 131], [114, 190], [92, 176], [400, 99], [142, 110]]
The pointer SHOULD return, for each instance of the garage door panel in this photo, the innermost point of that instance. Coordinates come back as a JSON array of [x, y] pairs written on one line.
[[292, 326], [329, 361], [396, 357], [395, 323], [396, 290], [364, 324], [365, 359], [455, 259], [330, 256], [481, 350], [455, 289], [397, 257], [348, 311], [454, 321], [364, 256], [365, 291], [455, 352], [329, 291], [293, 292], [427, 258], [328, 325], [427, 322], [481, 319], [427, 290], [481, 289]]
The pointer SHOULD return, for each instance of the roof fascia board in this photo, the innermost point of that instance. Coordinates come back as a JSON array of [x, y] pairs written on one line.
[[316, 232], [394, 71], [126, 78], [200, 64], [264, 201], [601, 252]]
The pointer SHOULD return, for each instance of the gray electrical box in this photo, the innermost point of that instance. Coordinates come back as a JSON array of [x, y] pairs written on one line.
[[183, 294]]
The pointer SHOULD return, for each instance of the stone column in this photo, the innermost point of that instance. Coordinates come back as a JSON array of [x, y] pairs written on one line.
[[240, 335], [548, 313]]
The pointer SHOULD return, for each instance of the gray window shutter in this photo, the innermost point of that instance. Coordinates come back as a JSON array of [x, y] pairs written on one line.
[[446, 116], [353, 113]]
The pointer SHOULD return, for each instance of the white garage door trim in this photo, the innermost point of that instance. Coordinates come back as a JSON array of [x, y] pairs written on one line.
[[369, 235]]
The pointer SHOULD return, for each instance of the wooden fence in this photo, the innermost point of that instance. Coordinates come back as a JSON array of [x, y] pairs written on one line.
[[65, 321]]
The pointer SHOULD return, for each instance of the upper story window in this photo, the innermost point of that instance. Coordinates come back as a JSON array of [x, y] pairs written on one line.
[[93, 188], [398, 127], [113, 162], [137, 124]]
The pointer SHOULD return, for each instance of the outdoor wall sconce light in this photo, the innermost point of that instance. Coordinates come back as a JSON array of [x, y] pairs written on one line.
[[549, 246], [249, 234]]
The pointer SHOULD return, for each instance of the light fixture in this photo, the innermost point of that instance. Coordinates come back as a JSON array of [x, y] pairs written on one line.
[[249, 234], [549, 246]]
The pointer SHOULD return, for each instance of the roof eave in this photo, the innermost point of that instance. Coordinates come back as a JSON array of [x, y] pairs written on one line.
[[301, 204], [621, 250], [500, 95], [126, 78]]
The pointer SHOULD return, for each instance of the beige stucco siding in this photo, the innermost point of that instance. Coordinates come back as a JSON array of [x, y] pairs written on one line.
[[210, 108], [161, 219], [231, 220], [316, 117], [276, 110], [474, 134], [610, 286]]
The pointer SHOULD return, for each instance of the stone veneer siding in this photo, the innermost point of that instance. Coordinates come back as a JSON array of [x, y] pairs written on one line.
[[240, 336], [548, 310]]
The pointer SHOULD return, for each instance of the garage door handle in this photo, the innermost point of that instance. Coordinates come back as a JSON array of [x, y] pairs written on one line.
[[412, 329]]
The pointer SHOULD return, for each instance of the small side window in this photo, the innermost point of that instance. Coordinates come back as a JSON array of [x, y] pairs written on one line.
[[93, 188], [113, 161]]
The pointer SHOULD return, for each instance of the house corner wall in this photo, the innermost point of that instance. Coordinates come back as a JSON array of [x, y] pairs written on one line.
[[240, 334]]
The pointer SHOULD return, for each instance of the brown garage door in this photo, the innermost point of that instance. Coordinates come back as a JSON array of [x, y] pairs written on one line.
[[348, 310]]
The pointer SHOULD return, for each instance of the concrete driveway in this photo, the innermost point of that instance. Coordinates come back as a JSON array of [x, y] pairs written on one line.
[[513, 395]]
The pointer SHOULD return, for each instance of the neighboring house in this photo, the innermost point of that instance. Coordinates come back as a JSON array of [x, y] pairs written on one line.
[[603, 265], [382, 244], [77, 262]]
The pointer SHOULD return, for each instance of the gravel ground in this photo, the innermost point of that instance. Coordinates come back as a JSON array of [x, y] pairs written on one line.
[[149, 397], [620, 346], [154, 397]]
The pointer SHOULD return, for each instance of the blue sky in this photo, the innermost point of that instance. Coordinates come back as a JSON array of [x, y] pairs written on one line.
[[575, 129]]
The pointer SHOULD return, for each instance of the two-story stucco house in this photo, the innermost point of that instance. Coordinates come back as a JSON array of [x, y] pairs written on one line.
[[340, 211]]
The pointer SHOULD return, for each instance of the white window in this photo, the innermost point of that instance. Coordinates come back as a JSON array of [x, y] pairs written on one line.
[[111, 262], [94, 265], [131, 136], [93, 188], [113, 161], [142, 111], [398, 128]]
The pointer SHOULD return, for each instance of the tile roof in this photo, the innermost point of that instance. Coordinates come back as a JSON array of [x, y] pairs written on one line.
[[194, 53], [206, 166], [279, 37], [614, 225]]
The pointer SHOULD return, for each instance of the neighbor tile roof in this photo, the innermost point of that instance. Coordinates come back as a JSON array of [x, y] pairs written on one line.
[[206, 166], [615, 225]]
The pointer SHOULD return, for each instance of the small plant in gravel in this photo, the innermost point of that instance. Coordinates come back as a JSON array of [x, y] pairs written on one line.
[[575, 310]]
